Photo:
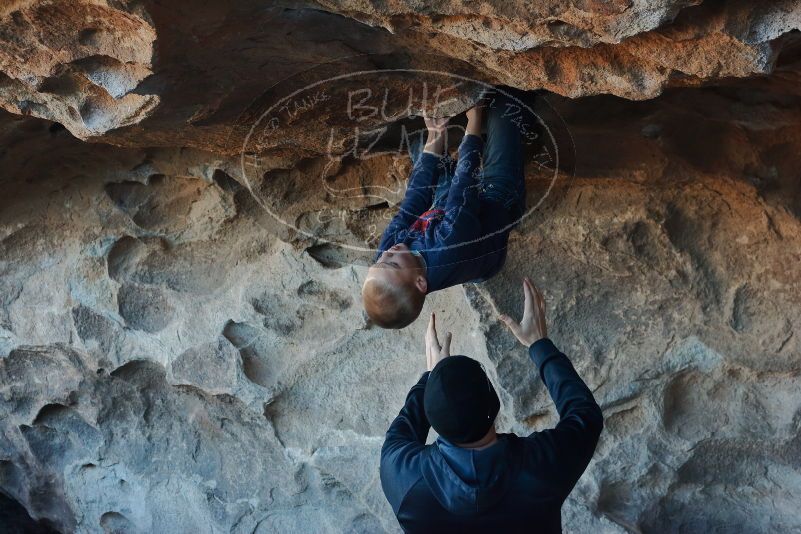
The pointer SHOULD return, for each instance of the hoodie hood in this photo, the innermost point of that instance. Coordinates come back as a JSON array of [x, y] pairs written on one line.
[[467, 481]]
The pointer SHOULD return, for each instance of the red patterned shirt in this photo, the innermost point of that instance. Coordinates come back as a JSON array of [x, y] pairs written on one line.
[[422, 221]]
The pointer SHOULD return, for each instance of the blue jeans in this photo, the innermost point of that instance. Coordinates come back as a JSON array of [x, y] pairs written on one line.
[[502, 181]]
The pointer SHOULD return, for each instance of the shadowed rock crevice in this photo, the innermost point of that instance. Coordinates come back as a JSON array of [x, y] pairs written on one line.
[[117, 523], [328, 256], [16, 520], [145, 308], [251, 345]]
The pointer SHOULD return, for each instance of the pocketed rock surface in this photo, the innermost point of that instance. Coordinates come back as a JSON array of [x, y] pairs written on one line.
[[146, 73], [173, 358]]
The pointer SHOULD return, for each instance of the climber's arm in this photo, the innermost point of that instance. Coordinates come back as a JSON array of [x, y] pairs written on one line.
[[420, 187], [419, 195], [461, 221]]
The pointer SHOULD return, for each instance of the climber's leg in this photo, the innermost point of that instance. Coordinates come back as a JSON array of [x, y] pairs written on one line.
[[503, 180]]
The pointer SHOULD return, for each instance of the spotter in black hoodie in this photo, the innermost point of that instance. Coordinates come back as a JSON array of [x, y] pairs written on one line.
[[516, 485]]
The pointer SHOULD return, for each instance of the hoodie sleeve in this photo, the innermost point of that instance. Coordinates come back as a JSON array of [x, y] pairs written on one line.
[[461, 221], [418, 198], [404, 441], [569, 447]]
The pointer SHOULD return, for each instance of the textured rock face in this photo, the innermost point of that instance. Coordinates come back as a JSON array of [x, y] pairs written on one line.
[[147, 74], [174, 359], [78, 62], [626, 48]]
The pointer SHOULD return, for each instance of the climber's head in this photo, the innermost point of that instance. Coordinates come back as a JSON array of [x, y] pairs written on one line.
[[460, 402], [395, 288]]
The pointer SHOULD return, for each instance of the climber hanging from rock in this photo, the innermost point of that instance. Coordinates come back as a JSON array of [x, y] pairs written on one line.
[[473, 479], [454, 222]]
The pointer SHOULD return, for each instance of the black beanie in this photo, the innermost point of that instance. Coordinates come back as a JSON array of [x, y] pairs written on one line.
[[459, 400]]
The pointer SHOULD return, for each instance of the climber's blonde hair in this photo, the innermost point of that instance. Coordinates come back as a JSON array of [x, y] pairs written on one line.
[[389, 305]]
